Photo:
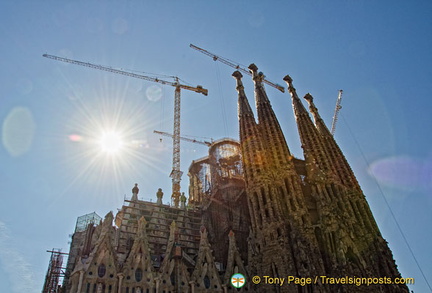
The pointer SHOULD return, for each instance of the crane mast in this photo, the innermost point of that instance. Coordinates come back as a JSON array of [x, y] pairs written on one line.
[[234, 65], [176, 174], [336, 112]]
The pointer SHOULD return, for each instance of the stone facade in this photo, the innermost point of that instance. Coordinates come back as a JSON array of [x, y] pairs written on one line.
[[253, 209]]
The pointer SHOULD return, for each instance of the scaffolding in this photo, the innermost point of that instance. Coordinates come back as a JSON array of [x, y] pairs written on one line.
[[55, 272], [222, 167], [225, 159], [84, 221]]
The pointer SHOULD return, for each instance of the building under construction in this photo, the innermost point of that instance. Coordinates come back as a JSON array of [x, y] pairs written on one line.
[[252, 209]]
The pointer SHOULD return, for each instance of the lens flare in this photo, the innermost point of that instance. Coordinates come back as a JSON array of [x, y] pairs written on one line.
[[111, 142]]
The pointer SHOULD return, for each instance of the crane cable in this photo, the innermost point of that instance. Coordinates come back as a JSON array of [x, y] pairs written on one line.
[[387, 204]]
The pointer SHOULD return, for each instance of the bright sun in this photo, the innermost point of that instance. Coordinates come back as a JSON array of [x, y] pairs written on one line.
[[111, 142]]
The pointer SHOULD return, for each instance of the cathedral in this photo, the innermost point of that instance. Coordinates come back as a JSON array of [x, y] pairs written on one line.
[[253, 209]]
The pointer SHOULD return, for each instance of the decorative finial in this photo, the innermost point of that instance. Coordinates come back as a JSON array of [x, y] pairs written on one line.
[[288, 79], [253, 68], [308, 97], [237, 75]]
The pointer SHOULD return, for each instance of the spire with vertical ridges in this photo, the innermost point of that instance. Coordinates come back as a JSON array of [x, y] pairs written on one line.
[[278, 210], [265, 206], [312, 142], [244, 109], [253, 151], [272, 135], [253, 154], [235, 263], [343, 169], [284, 175]]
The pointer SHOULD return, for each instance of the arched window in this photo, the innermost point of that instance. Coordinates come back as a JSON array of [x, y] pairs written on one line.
[[173, 279], [138, 274], [101, 270], [207, 282]]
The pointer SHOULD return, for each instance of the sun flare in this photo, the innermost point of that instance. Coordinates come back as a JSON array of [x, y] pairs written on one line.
[[111, 142], [108, 143]]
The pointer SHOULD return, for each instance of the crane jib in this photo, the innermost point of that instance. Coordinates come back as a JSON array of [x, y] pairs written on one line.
[[175, 173]]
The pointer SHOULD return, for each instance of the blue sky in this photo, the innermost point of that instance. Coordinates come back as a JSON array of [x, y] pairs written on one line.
[[378, 52]]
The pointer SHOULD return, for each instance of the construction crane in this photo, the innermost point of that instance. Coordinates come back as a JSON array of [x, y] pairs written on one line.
[[336, 112], [175, 173], [234, 65], [55, 272], [207, 143]]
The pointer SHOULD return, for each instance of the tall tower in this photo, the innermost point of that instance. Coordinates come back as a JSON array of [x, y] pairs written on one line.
[[280, 243], [348, 236], [342, 168]]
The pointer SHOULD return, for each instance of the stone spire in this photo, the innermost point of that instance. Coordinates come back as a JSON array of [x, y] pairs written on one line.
[[205, 270], [344, 171], [253, 154], [312, 144], [244, 109], [276, 214], [282, 167], [272, 134], [234, 263]]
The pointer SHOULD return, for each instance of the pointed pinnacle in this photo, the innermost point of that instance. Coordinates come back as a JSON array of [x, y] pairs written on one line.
[[243, 104]]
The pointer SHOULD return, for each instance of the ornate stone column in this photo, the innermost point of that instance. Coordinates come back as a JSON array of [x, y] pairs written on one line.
[[81, 278], [192, 285], [120, 282], [157, 281], [224, 288]]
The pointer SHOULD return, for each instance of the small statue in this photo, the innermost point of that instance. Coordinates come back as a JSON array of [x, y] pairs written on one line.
[[176, 199], [135, 190], [159, 195], [182, 201]]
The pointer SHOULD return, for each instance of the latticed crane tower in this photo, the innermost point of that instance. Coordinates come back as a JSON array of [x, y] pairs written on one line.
[[175, 173]]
